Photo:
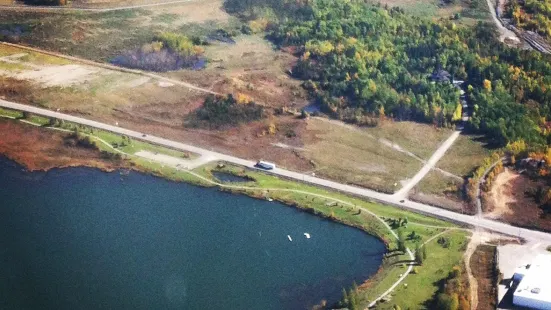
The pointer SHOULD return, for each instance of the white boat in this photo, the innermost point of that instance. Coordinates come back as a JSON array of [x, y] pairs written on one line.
[[307, 235], [289, 237]]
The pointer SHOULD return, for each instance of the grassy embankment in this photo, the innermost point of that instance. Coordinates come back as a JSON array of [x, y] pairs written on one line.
[[421, 286]]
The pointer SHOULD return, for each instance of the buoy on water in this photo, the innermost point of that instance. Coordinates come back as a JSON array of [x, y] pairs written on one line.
[[289, 237], [307, 235]]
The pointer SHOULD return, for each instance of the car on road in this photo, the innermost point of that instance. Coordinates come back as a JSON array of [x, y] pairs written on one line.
[[265, 165]]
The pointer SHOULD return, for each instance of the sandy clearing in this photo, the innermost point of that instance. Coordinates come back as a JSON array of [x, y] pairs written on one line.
[[66, 75], [174, 161], [500, 194]]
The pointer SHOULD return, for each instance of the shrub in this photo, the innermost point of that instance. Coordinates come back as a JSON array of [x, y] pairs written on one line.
[[219, 111]]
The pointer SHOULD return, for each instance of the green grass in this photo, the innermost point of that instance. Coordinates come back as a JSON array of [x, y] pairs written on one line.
[[39, 120], [10, 113], [437, 183], [422, 286], [123, 145]]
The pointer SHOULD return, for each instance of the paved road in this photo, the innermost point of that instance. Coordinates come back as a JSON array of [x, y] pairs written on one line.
[[362, 192], [403, 192]]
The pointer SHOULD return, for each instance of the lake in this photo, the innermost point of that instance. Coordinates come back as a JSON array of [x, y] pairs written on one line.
[[80, 238]]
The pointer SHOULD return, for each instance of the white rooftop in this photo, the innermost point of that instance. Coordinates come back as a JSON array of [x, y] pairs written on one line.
[[536, 283]]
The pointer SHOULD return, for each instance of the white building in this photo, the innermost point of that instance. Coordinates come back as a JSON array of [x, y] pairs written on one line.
[[534, 289]]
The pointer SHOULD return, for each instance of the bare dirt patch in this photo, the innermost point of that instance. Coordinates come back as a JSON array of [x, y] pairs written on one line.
[[511, 199], [38, 149], [502, 194], [67, 75]]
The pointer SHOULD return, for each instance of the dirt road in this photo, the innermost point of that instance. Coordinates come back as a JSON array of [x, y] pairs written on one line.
[[402, 193], [503, 32]]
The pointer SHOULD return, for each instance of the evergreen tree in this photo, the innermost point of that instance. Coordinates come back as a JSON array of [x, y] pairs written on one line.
[[418, 255], [424, 249], [401, 241]]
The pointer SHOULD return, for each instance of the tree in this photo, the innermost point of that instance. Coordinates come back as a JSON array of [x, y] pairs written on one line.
[[424, 249], [401, 241], [457, 113], [353, 302], [418, 255], [344, 300]]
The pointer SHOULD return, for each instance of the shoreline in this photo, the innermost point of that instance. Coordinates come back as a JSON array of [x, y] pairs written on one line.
[[137, 169], [368, 216]]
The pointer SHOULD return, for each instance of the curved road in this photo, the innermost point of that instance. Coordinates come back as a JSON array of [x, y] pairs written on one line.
[[362, 192]]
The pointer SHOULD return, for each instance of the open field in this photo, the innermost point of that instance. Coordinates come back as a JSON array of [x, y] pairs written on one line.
[[442, 191], [470, 12], [464, 156], [57, 83], [377, 157]]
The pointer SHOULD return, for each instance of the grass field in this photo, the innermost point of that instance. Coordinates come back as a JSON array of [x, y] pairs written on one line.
[[102, 36], [464, 156], [437, 183], [371, 157], [469, 12]]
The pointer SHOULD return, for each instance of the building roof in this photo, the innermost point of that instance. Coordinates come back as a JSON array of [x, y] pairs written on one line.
[[536, 284], [441, 76]]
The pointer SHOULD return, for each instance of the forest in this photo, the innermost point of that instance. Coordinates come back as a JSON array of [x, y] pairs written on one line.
[[534, 15], [359, 61]]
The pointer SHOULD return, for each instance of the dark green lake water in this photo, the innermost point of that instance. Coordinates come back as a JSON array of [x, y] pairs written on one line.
[[83, 239]]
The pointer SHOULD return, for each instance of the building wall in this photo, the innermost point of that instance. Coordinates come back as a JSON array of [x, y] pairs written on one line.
[[531, 303]]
